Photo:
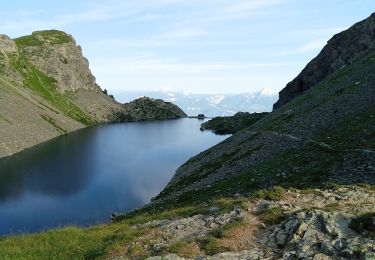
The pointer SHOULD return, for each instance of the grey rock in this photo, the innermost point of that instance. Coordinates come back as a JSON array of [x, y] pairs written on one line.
[[340, 50], [147, 109], [321, 256]]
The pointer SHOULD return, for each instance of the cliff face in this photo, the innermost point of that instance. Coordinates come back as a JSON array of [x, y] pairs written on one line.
[[56, 54], [339, 52], [46, 89]]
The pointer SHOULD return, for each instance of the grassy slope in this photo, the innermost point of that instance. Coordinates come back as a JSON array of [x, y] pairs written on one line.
[[98, 241], [50, 36], [41, 84], [311, 165]]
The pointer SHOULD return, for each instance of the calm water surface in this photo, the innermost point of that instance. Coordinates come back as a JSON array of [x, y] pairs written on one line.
[[82, 177]]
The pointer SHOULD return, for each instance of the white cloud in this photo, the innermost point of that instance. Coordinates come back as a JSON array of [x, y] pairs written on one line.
[[268, 92], [307, 47], [236, 7], [143, 65], [314, 45]]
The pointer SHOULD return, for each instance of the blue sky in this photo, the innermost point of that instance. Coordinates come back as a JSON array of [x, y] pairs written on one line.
[[199, 46]]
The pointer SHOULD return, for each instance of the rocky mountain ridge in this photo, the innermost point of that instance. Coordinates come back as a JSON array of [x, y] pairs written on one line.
[[340, 51]]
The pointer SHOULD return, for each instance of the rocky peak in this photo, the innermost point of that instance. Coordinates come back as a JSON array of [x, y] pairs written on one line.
[[47, 37], [341, 49], [57, 55], [7, 45], [148, 109]]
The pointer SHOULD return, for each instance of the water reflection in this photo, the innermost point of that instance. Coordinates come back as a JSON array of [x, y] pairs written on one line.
[[82, 177]]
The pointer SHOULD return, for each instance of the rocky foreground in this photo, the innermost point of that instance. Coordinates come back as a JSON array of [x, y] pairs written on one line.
[[292, 224]]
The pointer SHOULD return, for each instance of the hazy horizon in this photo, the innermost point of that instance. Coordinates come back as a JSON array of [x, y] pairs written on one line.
[[209, 47]]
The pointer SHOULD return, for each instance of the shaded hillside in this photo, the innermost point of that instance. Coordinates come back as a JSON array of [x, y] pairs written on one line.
[[232, 124], [340, 51], [325, 135]]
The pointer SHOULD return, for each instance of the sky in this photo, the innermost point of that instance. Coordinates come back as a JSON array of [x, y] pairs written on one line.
[[196, 46]]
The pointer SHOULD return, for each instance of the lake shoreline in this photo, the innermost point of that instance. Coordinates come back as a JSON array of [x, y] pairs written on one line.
[[78, 167], [82, 128]]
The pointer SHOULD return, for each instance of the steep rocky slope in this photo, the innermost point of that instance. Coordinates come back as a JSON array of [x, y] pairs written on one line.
[[148, 109], [340, 51], [46, 89], [324, 135]]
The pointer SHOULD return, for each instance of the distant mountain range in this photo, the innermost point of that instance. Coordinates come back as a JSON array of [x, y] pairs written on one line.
[[210, 104]]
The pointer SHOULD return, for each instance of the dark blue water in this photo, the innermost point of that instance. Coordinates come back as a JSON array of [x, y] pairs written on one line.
[[82, 177]]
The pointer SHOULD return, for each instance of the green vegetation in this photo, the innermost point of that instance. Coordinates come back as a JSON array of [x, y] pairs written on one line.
[[260, 181], [103, 240], [68, 243], [179, 210], [272, 216], [332, 206], [5, 119], [232, 124], [53, 123], [218, 232], [222, 231], [177, 247], [211, 246], [40, 38], [364, 223], [184, 249], [274, 193], [45, 87]]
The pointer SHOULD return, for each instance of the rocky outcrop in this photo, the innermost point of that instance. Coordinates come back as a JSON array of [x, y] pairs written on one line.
[[232, 124], [56, 54], [148, 109], [315, 224], [7, 45], [340, 51]]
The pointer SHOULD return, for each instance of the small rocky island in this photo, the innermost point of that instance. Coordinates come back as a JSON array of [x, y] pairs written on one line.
[[148, 109]]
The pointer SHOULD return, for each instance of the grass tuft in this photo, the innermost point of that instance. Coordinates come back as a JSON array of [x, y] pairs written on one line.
[[364, 223], [272, 216]]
